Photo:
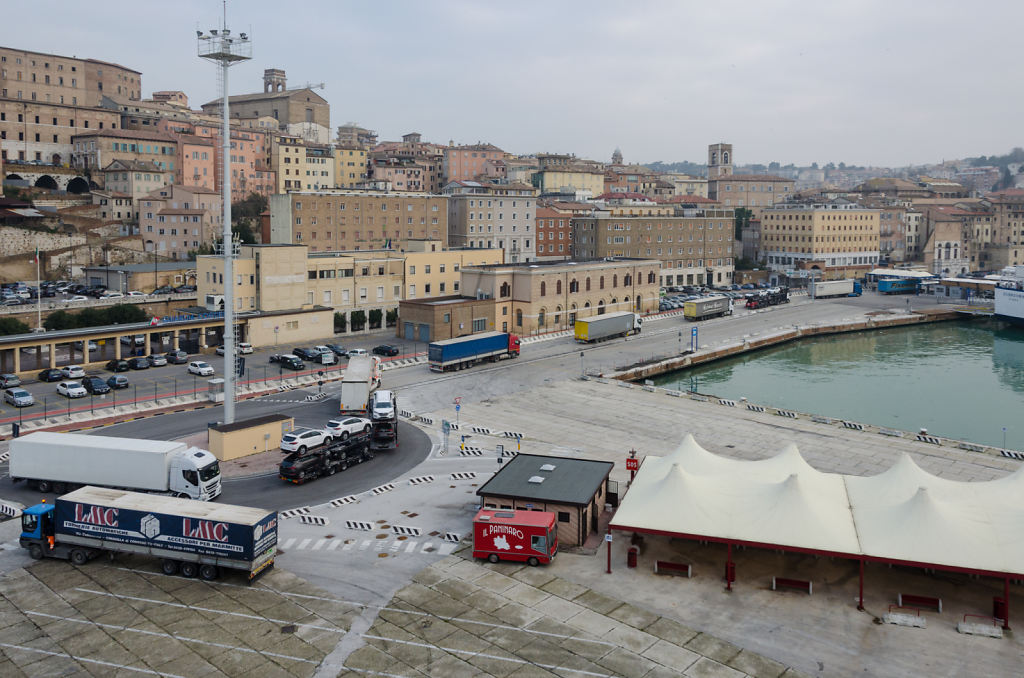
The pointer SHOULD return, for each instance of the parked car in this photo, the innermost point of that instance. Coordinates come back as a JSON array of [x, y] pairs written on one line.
[[200, 367], [156, 360], [140, 339], [338, 349], [78, 297], [18, 397], [95, 291], [348, 426], [11, 301], [219, 350], [118, 381], [303, 439], [96, 386], [92, 345], [111, 295], [177, 357], [385, 349], [118, 366], [288, 360], [9, 380], [356, 351], [305, 353], [51, 374], [71, 389], [323, 348], [165, 289], [138, 363], [135, 293], [245, 348], [183, 289], [72, 371]]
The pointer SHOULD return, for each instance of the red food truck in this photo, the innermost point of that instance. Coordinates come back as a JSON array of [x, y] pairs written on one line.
[[515, 535]]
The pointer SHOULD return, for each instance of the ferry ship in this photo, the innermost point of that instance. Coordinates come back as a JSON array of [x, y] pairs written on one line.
[[1010, 295]]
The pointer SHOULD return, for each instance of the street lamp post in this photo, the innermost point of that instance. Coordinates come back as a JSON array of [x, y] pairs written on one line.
[[226, 50]]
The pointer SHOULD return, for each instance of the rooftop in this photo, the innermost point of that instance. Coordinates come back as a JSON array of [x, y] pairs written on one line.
[[565, 480]]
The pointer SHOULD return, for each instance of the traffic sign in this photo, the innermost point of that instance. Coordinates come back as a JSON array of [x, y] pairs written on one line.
[[457, 407], [633, 464], [446, 426]]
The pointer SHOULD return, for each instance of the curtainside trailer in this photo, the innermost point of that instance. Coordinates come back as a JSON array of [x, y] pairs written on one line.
[[190, 537], [463, 352], [608, 326], [708, 307]]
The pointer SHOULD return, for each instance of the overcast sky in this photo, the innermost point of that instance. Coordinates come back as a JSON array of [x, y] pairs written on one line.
[[873, 82]]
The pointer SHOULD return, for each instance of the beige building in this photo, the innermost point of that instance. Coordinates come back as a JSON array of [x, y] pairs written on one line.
[[42, 132], [493, 215], [134, 179], [302, 166], [349, 166], [581, 182], [751, 191], [51, 78], [687, 185], [840, 239], [433, 271], [547, 296], [175, 220], [287, 106], [96, 150], [342, 220], [695, 245], [1006, 245]]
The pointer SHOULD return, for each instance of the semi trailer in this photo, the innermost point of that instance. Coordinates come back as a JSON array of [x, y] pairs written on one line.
[[60, 462], [821, 289], [463, 352], [362, 376], [608, 326], [707, 307], [190, 537]]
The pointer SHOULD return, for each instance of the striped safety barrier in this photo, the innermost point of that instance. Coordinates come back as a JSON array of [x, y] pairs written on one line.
[[313, 520], [852, 425], [464, 475], [755, 408], [358, 525], [381, 489], [452, 537], [291, 513], [406, 531], [727, 402], [419, 480], [470, 451], [341, 501], [931, 440]]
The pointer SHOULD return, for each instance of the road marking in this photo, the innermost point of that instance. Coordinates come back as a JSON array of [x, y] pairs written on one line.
[[446, 549], [348, 546], [185, 639], [411, 546], [364, 545], [332, 629], [514, 660], [319, 544], [288, 544], [334, 544], [303, 544], [89, 661]]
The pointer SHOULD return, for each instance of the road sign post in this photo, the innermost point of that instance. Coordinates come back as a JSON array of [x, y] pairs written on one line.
[[632, 465], [693, 339]]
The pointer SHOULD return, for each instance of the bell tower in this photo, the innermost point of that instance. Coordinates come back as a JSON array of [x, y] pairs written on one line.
[[719, 160]]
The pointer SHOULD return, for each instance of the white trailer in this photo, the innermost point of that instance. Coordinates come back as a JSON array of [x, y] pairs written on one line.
[[61, 461], [607, 326], [362, 376], [831, 288]]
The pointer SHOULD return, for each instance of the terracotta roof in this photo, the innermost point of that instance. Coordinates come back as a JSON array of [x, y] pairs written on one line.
[[134, 166], [628, 195], [264, 96], [688, 199]]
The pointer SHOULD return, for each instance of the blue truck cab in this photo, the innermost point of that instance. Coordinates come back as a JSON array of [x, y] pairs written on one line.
[[37, 530], [857, 289]]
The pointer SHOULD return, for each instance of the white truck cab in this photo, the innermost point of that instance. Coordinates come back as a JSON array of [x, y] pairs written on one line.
[[194, 474]]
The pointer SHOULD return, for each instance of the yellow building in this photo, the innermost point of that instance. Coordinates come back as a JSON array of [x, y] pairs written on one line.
[[584, 182], [431, 271], [301, 166], [349, 167], [839, 239]]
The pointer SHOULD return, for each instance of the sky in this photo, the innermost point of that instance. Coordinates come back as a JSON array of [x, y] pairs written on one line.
[[873, 82]]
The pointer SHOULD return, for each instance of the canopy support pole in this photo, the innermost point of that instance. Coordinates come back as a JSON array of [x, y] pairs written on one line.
[[728, 566], [1006, 598], [608, 543], [860, 604]]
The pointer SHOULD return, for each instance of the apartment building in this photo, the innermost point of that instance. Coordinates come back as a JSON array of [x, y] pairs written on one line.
[[52, 78], [581, 181], [175, 220], [464, 163], [247, 156], [694, 245], [339, 220], [402, 174], [838, 238], [1005, 247], [892, 228], [554, 234], [349, 166], [301, 166], [96, 150], [351, 135], [489, 215], [134, 179], [410, 162], [39, 132], [433, 271]]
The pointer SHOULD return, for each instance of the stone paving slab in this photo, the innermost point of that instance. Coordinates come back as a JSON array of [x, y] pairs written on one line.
[[709, 646], [709, 668], [757, 666]]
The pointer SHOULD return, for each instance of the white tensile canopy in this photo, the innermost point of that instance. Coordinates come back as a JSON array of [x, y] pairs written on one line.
[[902, 515]]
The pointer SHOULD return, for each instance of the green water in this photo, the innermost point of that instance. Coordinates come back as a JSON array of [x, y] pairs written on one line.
[[959, 380]]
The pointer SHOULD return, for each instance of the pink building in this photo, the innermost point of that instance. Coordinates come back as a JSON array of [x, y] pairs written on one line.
[[465, 163], [175, 220], [249, 169]]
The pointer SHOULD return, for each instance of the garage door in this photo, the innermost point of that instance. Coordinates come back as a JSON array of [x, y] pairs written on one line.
[[424, 332], [409, 331]]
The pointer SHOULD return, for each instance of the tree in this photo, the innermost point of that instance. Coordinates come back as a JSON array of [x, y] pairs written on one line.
[[340, 322], [13, 326], [375, 317], [59, 320], [245, 214], [358, 320], [125, 313], [392, 317], [742, 218]]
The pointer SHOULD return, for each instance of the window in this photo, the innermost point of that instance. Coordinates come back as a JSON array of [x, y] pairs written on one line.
[[543, 288], [563, 516]]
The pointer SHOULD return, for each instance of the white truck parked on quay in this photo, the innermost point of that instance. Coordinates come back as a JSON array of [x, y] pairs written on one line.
[[819, 289], [59, 462], [607, 326]]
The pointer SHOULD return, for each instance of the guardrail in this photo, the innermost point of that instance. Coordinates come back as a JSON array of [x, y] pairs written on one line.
[[58, 304]]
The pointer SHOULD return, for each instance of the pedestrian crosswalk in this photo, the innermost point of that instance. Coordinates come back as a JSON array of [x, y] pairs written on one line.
[[394, 546]]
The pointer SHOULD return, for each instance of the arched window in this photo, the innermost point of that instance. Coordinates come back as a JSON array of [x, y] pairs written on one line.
[[601, 283], [627, 280], [506, 289], [650, 277], [615, 280], [558, 287], [519, 317], [543, 288], [540, 318], [574, 286], [588, 283], [558, 315]]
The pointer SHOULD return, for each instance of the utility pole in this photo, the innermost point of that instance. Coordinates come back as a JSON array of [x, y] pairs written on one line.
[[227, 50]]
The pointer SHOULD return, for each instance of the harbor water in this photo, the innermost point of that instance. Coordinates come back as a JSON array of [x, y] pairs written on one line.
[[961, 380]]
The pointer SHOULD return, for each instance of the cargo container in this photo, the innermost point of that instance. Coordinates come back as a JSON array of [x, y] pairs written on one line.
[[607, 326], [820, 289], [707, 307], [63, 461], [523, 536], [362, 376], [190, 537], [463, 352], [901, 286]]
